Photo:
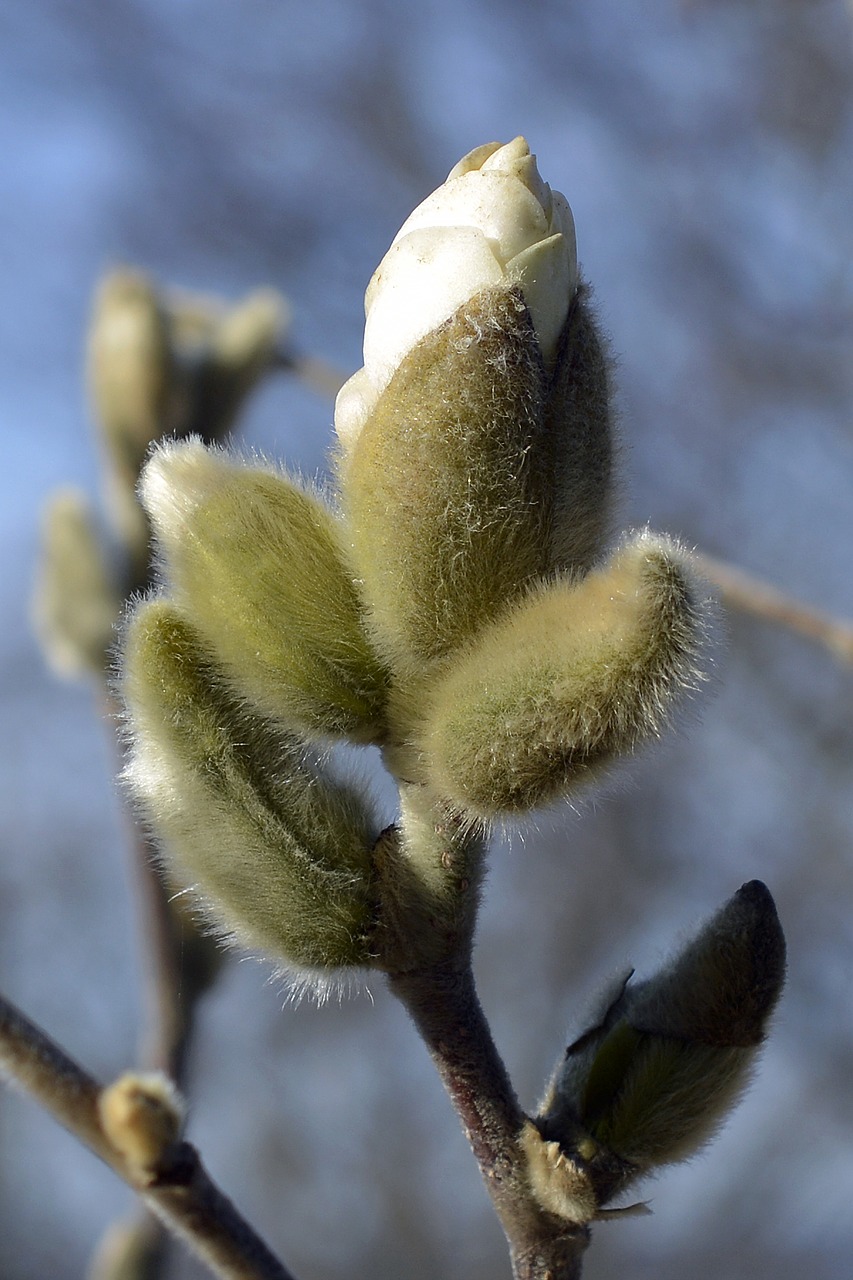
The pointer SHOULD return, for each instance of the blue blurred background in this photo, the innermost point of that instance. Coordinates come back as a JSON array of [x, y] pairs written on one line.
[[706, 148]]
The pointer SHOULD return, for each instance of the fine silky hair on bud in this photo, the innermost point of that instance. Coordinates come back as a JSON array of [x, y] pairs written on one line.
[[657, 1075], [567, 680], [440, 490], [276, 850], [259, 565], [458, 503]]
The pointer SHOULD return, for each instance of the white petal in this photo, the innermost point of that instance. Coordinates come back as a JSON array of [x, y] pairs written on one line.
[[474, 159], [354, 402], [420, 282], [562, 218], [547, 272], [507, 156], [500, 206], [515, 160]]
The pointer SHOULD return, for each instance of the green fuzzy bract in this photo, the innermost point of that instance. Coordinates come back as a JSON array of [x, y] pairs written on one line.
[[442, 488], [478, 472], [258, 565], [573, 676], [279, 853], [670, 1097]]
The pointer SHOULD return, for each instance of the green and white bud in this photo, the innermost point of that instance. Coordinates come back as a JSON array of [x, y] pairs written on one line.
[[576, 674], [258, 564], [494, 222], [476, 441], [276, 850], [667, 1058]]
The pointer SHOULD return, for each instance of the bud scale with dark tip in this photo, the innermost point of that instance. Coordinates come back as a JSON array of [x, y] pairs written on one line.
[[656, 1076]]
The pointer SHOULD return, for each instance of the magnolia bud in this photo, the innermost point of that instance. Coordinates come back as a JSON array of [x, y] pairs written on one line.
[[493, 222], [476, 439], [668, 1058], [573, 676], [258, 564], [131, 368], [136, 389], [276, 850]]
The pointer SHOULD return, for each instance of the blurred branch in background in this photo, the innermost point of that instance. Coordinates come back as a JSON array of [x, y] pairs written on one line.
[[134, 1127], [744, 591], [160, 364]]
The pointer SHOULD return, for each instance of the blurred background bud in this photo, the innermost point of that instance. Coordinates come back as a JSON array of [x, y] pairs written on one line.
[[75, 599], [130, 1250], [163, 364]]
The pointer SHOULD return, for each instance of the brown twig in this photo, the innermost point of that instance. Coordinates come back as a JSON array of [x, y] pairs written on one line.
[[741, 590], [446, 1010], [181, 1194]]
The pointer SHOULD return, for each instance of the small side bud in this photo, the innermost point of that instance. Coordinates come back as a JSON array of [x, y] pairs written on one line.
[[277, 851], [75, 602], [574, 676], [656, 1076], [259, 565], [142, 1116]]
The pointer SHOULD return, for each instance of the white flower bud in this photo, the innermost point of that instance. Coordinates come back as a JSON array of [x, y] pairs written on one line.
[[494, 221]]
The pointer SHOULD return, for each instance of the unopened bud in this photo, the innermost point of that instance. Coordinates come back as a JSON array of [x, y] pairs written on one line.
[[277, 851], [142, 1115], [494, 222], [670, 1056], [572, 677], [76, 601], [477, 441], [259, 565]]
